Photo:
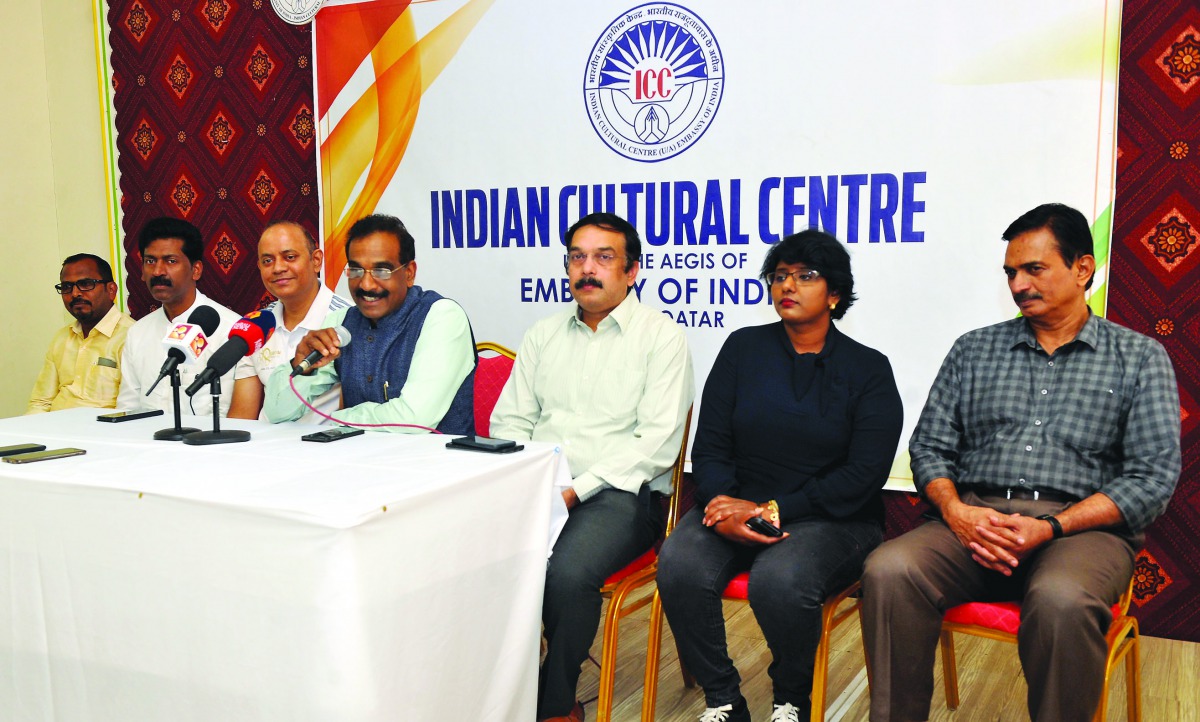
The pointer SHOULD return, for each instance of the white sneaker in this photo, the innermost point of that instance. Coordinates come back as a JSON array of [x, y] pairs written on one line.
[[785, 712], [717, 714]]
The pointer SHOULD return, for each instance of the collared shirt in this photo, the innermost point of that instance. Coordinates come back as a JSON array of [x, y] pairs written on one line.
[[616, 398], [281, 347], [82, 371], [1099, 415], [144, 354], [443, 357]]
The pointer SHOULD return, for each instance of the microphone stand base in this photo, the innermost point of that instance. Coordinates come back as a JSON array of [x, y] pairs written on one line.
[[225, 436], [175, 434]]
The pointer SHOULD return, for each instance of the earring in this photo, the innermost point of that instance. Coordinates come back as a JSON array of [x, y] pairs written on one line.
[[832, 306]]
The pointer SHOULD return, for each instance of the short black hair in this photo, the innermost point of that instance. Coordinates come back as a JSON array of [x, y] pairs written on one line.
[[380, 223], [102, 266], [1069, 227], [308, 237], [821, 252], [616, 224], [156, 229]]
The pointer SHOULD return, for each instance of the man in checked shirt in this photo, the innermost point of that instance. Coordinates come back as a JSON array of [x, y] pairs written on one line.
[[1047, 445]]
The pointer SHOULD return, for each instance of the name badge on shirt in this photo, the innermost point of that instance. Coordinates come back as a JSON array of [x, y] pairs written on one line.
[[106, 362]]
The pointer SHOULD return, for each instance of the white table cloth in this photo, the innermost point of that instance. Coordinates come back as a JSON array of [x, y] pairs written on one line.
[[380, 577]]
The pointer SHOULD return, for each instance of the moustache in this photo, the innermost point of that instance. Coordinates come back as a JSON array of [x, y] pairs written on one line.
[[160, 281], [588, 281], [1026, 296], [370, 295]]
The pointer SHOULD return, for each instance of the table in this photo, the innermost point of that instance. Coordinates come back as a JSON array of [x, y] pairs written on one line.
[[380, 577]]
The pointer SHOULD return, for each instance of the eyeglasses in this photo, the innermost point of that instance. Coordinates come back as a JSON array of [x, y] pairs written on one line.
[[379, 274], [604, 259], [808, 275], [83, 284]]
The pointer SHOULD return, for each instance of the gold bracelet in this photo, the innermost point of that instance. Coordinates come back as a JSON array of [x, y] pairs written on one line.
[[772, 512]]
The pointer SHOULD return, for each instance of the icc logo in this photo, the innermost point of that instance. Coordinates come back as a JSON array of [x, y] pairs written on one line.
[[653, 82]]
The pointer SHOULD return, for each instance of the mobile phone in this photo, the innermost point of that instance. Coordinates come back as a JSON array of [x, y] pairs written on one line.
[[340, 432], [484, 443], [33, 456], [20, 449], [764, 527], [119, 416]]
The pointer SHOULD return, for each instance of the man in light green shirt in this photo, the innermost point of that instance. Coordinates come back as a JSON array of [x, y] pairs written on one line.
[[610, 381], [410, 365]]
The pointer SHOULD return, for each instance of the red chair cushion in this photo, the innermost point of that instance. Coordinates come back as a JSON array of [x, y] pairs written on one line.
[[1000, 616], [490, 377], [738, 587], [645, 560]]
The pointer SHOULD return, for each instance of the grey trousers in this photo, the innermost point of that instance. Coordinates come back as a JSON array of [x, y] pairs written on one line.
[[1066, 588]]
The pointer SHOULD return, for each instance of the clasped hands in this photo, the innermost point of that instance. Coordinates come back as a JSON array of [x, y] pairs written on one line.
[[997, 541], [727, 516]]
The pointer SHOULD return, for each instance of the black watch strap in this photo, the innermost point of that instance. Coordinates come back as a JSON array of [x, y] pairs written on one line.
[[1055, 527]]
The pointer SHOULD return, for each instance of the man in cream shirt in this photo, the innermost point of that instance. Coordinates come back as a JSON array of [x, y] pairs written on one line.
[[611, 381], [82, 366]]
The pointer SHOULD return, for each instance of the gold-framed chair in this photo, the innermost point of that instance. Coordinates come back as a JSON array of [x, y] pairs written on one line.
[[638, 573], [1000, 620], [837, 609]]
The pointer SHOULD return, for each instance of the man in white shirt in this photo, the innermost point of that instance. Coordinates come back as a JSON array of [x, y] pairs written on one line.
[[611, 381], [171, 251], [290, 264]]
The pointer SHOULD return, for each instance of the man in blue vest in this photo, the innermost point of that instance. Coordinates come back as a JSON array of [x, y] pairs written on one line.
[[411, 364]]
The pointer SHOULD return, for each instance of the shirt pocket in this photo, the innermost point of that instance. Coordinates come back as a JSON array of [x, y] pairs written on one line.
[[618, 391], [1091, 420], [101, 383]]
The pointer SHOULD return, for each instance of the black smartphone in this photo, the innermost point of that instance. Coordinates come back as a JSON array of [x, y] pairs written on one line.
[[764, 527], [118, 416], [20, 449], [484, 443], [42, 455], [328, 435]]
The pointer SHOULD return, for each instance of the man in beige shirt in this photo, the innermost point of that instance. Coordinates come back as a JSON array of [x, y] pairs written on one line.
[[83, 365]]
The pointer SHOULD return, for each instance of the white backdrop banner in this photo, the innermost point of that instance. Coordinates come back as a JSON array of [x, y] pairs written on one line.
[[914, 132]]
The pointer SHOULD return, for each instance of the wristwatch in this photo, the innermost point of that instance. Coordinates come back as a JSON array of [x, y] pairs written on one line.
[[1055, 527]]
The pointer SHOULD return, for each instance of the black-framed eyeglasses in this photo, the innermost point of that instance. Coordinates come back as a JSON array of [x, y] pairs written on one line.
[[83, 284], [802, 277], [379, 274]]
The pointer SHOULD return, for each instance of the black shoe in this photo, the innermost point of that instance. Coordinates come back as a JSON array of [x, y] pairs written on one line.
[[733, 712]]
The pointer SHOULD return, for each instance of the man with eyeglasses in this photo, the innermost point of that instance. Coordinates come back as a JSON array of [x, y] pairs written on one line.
[[83, 366], [410, 365], [611, 381], [290, 264], [171, 250]]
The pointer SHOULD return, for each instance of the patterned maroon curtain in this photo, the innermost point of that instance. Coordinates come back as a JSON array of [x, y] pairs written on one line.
[[214, 125], [1155, 286]]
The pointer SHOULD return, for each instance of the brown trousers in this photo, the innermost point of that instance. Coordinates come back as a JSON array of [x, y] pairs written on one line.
[[1067, 589]]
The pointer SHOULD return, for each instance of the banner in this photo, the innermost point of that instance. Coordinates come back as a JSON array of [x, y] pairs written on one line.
[[914, 132]]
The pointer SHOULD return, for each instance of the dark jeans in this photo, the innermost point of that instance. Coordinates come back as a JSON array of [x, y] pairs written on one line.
[[601, 536], [789, 582]]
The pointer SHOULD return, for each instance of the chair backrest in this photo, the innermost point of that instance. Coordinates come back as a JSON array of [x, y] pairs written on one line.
[[683, 491], [490, 377]]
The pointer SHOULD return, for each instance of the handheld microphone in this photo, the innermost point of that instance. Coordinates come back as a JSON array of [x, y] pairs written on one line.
[[343, 335], [187, 341], [246, 337]]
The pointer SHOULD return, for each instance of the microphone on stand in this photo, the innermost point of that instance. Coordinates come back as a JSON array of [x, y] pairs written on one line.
[[247, 336], [186, 341]]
